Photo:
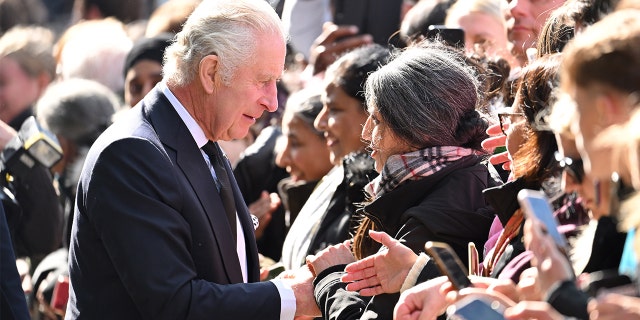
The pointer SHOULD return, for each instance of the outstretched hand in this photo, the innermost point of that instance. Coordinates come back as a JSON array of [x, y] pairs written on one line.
[[497, 139], [383, 272]]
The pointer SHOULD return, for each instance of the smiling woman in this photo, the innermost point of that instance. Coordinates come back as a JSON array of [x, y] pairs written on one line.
[[326, 218]]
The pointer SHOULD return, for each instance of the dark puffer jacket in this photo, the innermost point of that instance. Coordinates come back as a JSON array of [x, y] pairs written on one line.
[[447, 206]]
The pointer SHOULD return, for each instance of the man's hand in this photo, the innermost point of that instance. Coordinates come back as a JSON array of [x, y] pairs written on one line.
[[383, 272], [301, 282]]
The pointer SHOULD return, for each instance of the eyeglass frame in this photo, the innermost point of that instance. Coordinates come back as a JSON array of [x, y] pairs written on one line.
[[507, 114], [573, 167]]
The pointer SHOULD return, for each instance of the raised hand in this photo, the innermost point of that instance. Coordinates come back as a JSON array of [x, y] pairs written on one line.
[[383, 272], [333, 42], [425, 301], [497, 139], [553, 266]]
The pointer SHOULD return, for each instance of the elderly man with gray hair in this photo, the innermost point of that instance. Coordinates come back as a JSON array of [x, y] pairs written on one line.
[[160, 228]]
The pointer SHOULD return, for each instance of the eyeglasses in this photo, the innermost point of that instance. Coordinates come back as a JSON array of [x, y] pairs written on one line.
[[508, 118], [572, 167]]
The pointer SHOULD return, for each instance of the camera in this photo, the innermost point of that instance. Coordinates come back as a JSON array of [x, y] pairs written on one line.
[[33, 145]]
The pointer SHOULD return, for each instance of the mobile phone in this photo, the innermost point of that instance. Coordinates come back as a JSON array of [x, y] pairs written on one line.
[[60, 295], [476, 307], [451, 36], [474, 260], [449, 264], [275, 270], [535, 205]]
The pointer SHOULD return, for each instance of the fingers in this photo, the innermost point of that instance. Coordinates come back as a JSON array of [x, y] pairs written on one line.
[[371, 291], [498, 158], [532, 310], [367, 287], [494, 130], [494, 142], [382, 238], [356, 267]]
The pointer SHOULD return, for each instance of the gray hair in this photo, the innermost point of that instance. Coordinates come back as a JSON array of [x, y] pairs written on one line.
[[32, 48], [427, 96], [77, 109], [229, 29]]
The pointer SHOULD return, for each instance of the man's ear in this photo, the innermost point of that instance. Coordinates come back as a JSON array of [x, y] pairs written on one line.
[[208, 72]]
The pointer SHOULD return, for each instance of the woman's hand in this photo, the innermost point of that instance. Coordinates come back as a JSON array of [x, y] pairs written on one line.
[[614, 306], [329, 257], [262, 209], [497, 139], [383, 272], [422, 302], [553, 266], [538, 310]]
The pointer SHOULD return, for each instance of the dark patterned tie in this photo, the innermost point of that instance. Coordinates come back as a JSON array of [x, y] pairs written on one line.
[[226, 194]]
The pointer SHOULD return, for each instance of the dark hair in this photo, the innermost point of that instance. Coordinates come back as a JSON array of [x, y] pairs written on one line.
[[416, 23], [124, 10], [350, 71], [305, 104], [493, 74], [427, 95], [535, 160], [147, 49]]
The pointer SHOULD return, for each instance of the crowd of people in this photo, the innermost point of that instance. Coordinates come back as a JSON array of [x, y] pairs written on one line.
[[290, 159]]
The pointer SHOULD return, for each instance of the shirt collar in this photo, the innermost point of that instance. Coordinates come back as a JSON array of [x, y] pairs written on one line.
[[192, 125]]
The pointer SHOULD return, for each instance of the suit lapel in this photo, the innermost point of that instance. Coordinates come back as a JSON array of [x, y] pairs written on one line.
[[174, 134]]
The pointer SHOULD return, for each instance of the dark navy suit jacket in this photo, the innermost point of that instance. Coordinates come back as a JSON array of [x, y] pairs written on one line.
[[150, 238]]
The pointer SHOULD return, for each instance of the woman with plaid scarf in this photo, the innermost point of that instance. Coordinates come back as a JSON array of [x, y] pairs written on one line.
[[424, 134]]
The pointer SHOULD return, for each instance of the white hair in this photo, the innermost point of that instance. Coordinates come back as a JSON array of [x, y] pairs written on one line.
[[229, 29], [496, 9], [96, 50]]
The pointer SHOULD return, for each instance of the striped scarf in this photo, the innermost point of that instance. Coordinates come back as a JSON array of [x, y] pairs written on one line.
[[413, 166]]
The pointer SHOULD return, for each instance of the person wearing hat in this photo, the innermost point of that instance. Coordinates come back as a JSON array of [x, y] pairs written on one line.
[[143, 67]]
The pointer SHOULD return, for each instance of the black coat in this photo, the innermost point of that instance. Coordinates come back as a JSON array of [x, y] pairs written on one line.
[[150, 237], [447, 206]]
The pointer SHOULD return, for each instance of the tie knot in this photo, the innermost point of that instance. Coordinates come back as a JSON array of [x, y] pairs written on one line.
[[213, 151], [210, 149]]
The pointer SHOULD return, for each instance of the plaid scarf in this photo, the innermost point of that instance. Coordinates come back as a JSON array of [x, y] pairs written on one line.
[[413, 166]]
